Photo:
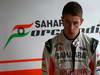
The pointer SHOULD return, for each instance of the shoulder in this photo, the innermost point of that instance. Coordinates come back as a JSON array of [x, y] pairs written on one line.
[[90, 42], [49, 43], [55, 38], [87, 38]]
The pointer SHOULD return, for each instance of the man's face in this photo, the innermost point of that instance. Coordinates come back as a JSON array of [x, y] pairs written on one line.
[[71, 25]]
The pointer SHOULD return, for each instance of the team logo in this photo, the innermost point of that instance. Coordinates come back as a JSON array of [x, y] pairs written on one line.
[[20, 32], [59, 46]]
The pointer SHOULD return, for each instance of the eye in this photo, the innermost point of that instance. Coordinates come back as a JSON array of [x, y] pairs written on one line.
[[67, 22], [76, 23]]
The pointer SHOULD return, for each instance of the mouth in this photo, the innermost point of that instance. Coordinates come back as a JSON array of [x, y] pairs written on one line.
[[70, 33]]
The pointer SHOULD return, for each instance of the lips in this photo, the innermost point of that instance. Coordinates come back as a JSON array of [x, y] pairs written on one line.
[[71, 33]]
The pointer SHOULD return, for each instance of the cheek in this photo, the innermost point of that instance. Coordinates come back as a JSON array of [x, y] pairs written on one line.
[[77, 28], [66, 26]]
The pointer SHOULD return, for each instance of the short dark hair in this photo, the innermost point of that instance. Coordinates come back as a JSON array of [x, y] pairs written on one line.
[[73, 8]]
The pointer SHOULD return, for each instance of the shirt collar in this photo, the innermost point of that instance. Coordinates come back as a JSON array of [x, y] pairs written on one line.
[[74, 41]]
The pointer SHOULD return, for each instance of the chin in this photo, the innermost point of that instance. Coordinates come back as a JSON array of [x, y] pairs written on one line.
[[72, 36]]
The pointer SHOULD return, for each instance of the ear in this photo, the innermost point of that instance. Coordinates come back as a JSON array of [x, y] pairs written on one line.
[[62, 18], [82, 20]]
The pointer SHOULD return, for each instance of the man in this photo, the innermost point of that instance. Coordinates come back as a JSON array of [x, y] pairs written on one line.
[[71, 52]]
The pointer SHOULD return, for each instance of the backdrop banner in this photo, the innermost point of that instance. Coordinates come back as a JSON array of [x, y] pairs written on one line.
[[25, 25]]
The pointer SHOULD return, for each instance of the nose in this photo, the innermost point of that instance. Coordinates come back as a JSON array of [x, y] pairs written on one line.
[[71, 27]]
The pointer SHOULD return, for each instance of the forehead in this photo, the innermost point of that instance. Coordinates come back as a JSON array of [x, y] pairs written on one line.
[[71, 17]]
